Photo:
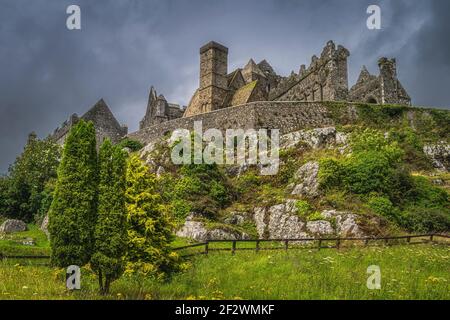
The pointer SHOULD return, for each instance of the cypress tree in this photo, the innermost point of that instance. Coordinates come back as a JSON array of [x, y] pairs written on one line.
[[72, 214], [149, 227], [110, 232]]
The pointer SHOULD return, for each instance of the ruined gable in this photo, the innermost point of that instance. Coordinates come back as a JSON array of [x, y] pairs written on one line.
[[106, 125], [382, 89]]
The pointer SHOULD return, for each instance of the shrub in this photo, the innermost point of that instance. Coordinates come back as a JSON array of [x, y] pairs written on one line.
[[73, 210], [384, 207], [133, 145], [423, 220], [303, 208], [110, 232], [149, 224]]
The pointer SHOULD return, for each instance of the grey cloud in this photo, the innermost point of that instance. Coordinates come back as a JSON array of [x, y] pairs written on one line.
[[48, 72]]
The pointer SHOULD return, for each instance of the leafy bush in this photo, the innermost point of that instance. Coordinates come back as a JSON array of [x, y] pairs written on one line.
[[374, 166], [133, 145], [424, 220], [23, 190], [384, 207], [303, 208]]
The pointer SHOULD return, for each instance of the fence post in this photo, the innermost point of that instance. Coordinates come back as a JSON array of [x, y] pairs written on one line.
[[338, 243], [366, 242], [206, 247], [286, 244], [431, 237], [408, 240], [386, 241], [233, 249], [320, 244], [257, 246]]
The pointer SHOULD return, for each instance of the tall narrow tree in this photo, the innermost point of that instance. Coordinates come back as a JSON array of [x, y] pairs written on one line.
[[73, 214], [149, 227], [110, 232]]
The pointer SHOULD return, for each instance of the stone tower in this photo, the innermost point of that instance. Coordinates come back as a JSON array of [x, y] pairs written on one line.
[[213, 76], [388, 80], [336, 83]]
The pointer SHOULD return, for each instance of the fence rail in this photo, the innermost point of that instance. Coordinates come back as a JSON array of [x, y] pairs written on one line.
[[285, 242], [338, 243]]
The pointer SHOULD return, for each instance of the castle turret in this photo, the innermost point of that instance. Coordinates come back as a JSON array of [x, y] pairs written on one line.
[[213, 72], [388, 79]]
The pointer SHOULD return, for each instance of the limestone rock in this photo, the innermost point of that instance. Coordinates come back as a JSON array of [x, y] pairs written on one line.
[[319, 227], [236, 218], [307, 180], [196, 230], [439, 154], [12, 225], [346, 223], [278, 222], [44, 225], [315, 138]]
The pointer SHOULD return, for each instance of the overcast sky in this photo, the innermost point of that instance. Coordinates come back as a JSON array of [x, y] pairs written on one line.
[[48, 72]]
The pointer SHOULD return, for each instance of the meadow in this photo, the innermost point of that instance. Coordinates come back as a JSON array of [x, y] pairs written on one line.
[[407, 272]]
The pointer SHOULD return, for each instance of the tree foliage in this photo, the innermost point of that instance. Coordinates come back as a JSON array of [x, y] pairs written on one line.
[[110, 232], [22, 191], [73, 210], [149, 226]]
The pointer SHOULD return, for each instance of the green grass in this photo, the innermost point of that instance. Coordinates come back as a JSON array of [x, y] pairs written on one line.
[[407, 272], [11, 244]]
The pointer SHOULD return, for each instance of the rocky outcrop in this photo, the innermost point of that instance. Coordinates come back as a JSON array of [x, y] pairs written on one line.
[[282, 222], [236, 218], [346, 223], [44, 225], [279, 222], [439, 155], [319, 227], [316, 138], [306, 180], [197, 230], [12, 225]]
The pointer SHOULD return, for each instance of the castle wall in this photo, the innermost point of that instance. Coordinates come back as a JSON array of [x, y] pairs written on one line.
[[282, 115]]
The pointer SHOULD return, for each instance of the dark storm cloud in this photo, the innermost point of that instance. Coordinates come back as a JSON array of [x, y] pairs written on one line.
[[48, 72]]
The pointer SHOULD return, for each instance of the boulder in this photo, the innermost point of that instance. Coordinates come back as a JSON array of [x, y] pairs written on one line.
[[12, 225], [196, 230], [319, 227], [307, 182], [279, 222], [439, 154], [346, 223]]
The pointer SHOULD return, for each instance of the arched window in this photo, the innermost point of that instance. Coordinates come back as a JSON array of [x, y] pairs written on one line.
[[372, 100]]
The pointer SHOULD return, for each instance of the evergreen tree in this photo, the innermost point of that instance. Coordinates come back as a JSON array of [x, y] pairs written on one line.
[[110, 232], [72, 214], [149, 227]]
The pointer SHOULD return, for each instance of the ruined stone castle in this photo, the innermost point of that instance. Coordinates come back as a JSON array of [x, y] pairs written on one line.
[[254, 96]]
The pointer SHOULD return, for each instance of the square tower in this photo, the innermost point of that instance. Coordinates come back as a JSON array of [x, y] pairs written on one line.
[[213, 72]]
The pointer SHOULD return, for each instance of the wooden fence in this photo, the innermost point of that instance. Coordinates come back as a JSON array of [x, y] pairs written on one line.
[[338, 243]]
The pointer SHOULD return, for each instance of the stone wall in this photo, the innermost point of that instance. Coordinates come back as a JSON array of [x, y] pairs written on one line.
[[286, 116]]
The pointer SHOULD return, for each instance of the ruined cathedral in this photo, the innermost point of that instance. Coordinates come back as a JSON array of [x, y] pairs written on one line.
[[253, 96]]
